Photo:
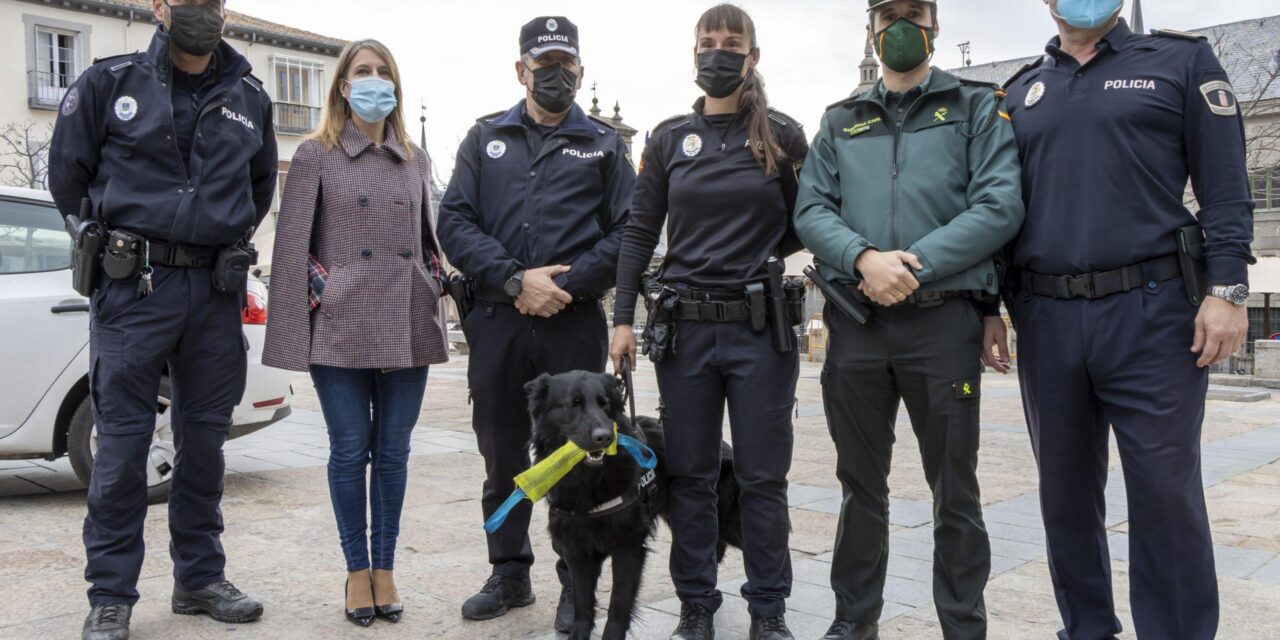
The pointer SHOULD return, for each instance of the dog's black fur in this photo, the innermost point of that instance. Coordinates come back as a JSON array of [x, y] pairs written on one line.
[[583, 407]]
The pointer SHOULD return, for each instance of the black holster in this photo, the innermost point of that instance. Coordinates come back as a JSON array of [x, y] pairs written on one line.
[[1195, 277], [783, 338], [463, 291], [86, 249], [659, 335], [231, 269]]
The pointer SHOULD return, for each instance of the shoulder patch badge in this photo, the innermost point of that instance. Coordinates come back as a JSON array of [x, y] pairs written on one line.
[[126, 108], [71, 102], [1034, 95], [692, 145], [496, 149], [1220, 98]]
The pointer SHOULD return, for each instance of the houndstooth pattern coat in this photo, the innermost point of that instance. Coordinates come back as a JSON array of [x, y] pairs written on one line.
[[364, 211]]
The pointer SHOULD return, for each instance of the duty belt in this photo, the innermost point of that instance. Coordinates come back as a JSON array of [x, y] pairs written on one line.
[[172, 254], [707, 305], [917, 299], [1101, 284]]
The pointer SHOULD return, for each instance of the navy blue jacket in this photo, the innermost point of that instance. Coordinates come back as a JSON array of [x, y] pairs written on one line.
[[1107, 149], [513, 204], [115, 142]]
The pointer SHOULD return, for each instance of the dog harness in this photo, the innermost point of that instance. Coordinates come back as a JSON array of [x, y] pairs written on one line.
[[539, 479]]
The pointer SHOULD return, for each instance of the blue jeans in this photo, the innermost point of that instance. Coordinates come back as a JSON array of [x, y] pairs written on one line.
[[370, 415]]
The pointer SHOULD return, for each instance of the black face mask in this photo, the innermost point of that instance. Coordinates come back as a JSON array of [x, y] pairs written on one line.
[[554, 88], [194, 29], [720, 72]]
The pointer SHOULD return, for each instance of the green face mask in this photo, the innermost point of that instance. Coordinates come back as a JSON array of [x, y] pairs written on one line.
[[904, 45]]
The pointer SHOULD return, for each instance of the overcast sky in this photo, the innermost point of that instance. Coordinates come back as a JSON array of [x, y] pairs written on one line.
[[458, 55]]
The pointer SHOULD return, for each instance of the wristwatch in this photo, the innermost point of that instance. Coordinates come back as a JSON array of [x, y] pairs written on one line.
[[1236, 294], [514, 285]]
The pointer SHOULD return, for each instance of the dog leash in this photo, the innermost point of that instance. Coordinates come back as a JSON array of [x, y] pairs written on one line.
[[630, 387], [539, 479]]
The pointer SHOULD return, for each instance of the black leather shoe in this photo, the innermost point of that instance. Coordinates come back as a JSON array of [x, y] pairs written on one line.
[[360, 616], [564, 611], [107, 622], [498, 595], [845, 630], [770, 629], [696, 623], [389, 612], [221, 600]]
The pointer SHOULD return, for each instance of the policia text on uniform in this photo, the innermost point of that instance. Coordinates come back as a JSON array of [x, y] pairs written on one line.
[[926, 200]]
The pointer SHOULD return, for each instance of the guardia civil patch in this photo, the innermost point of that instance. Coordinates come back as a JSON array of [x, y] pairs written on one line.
[[1220, 98], [862, 127]]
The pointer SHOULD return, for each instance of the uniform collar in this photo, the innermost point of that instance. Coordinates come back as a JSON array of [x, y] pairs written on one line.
[[354, 142], [230, 66], [575, 123], [921, 88], [939, 81], [1115, 40]]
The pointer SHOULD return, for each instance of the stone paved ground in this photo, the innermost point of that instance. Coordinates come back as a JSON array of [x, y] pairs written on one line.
[[282, 541]]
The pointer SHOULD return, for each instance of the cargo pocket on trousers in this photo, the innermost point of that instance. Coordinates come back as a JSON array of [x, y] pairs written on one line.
[[964, 426]]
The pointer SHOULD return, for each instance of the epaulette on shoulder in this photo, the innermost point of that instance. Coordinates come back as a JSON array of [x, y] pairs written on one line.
[[253, 81], [116, 63], [488, 117], [1030, 66], [604, 122], [784, 119], [1182, 35], [978, 83], [672, 122]]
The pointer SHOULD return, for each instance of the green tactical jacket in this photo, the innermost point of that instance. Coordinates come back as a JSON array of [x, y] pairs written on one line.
[[944, 186]]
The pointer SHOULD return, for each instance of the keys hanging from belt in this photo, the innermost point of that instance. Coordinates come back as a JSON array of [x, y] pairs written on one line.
[[145, 286]]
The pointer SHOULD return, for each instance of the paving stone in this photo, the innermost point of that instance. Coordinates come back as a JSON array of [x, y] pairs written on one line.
[[1269, 573]]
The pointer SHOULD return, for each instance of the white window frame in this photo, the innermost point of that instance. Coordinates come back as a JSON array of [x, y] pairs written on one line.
[[296, 114], [43, 91]]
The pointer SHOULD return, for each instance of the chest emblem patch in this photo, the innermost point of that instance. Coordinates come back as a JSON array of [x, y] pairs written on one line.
[[1034, 95], [126, 108], [862, 127], [1220, 98], [692, 145], [496, 149], [940, 115]]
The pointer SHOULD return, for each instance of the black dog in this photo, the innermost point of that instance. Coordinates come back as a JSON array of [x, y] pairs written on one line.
[[605, 507]]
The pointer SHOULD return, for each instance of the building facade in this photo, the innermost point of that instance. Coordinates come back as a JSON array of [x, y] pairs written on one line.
[[50, 43]]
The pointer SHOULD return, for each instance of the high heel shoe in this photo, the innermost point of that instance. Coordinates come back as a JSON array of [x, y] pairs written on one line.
[[360, 616], [389, 612]]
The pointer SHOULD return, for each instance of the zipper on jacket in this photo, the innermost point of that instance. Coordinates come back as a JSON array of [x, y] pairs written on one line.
[[897, 139]]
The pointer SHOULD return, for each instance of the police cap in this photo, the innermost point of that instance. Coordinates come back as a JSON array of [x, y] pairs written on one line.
[[549, 33]]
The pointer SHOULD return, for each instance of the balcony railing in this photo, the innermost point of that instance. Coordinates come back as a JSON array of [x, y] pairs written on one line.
[[296, 119], [46, 89]]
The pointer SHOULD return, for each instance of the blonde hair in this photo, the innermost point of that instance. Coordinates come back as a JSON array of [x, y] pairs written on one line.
[[337, 112]]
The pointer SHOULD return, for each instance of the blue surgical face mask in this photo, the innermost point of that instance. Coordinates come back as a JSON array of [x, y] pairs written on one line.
[[1087, 14], [372, 99]]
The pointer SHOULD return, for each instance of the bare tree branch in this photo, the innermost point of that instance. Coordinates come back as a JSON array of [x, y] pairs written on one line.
[[24, 155]]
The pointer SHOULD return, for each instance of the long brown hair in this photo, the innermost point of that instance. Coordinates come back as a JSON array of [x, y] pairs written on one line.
[[753, 100], [337, 112]]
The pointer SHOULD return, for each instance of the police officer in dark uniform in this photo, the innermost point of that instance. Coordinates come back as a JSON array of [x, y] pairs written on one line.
[[722, 179], [534, 214], [175, 149], [1110, 125]]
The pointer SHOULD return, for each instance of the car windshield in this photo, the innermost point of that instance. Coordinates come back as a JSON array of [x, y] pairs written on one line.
[[32, 238]]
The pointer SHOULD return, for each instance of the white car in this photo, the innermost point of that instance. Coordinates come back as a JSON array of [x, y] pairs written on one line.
[[44, 352]]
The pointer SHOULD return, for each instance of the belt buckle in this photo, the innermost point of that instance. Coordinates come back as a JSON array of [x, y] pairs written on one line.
[[928, 299], [1080, 286]]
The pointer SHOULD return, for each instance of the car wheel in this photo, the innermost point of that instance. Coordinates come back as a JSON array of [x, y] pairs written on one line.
[[82, 446]]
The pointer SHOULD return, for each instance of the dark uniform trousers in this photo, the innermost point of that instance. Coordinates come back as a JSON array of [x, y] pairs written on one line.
[[928, 358], [1122, 361], [714, 362], [508, 350], [196, 331]]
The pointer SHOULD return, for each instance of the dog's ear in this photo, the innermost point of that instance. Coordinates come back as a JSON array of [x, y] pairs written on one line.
[[538, 389], [613, 387]]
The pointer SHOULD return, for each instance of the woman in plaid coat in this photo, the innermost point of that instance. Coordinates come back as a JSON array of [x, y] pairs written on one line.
[[356, 300]]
